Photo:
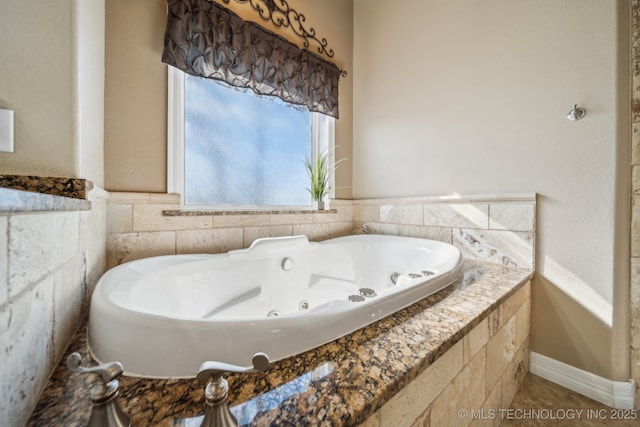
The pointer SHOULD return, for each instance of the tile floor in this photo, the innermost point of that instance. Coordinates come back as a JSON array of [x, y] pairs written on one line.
[[554, 405]]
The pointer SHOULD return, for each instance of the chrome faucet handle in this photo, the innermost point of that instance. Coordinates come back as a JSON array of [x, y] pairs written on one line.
[[105, 412], [217, 413], [106, 371], [215, 370]]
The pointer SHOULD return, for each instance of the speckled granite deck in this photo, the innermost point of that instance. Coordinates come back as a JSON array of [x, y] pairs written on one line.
[[338, 384], [65, 187]]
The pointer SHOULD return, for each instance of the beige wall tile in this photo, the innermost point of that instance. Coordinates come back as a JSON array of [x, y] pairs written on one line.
[[475, 216], [283, 219], [149, 218], [635, 178], [513, 376], [475, 340], [635, 137], [401, 214], [93, 224], [501, 349], [348, 212], [27, 237], [466, 391], [514, 302], [68, 283], [96, 265], [635, 282], [441, 234], [424, 420], [490, 408], [522, 320], [494, 322], [209, 241], [253, 233], [130, 246], [119, 218], [4, 263], [48, 295], [220, 221], [410, 402], [366, 213], [635, 227], [339, 216], [512, 216], [314, 232], [27, 324], [339, 229], [410, 230]]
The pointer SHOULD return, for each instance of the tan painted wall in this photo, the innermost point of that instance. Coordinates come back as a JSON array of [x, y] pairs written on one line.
[[136, 88], [635, 201], [470, 97], [89, 43], [51, 75]]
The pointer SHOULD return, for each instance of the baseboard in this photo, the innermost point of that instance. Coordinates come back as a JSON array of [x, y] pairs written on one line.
[[617, 394]]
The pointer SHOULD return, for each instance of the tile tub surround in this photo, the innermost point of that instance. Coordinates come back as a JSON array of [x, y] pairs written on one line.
[[498, 228], [477, 328], [495, 228], [141, 225], [49, 264]]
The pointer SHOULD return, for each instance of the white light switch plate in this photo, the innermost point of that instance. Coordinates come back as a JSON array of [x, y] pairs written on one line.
[[6, 130]]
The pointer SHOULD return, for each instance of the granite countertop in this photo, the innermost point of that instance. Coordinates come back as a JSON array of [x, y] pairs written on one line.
[[75, 188], [20, 193], [340, 383]]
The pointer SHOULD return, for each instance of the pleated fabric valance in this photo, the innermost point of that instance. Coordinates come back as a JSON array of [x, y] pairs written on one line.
[[205, 39]]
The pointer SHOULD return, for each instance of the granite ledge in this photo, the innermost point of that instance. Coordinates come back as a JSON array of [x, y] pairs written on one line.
[[19, 201], [74, 188], [340, 383]]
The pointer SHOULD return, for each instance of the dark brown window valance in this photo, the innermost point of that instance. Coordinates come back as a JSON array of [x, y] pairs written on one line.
[[205, 39]]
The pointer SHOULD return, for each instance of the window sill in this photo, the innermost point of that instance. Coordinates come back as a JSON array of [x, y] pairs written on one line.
[[246, 212]]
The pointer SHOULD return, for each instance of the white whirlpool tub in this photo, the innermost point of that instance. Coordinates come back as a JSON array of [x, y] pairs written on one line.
[[164, 316]]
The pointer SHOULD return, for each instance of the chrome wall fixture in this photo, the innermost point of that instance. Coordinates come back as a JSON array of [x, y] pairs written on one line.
[[280, 14], [576, 113], [104, 396], [217, 413]]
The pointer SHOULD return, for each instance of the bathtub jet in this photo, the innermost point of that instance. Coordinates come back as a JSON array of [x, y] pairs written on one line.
[[161, 317]]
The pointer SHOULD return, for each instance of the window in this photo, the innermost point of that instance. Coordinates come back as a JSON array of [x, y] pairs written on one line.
[[235, 150]]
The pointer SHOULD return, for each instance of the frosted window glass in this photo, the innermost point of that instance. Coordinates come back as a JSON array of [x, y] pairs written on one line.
[[243, 150]]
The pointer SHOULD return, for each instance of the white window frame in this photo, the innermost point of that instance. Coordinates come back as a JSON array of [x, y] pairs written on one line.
[[322, 138]]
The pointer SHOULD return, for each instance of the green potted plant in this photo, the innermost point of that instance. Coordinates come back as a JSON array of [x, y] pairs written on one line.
[[319, 171]]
